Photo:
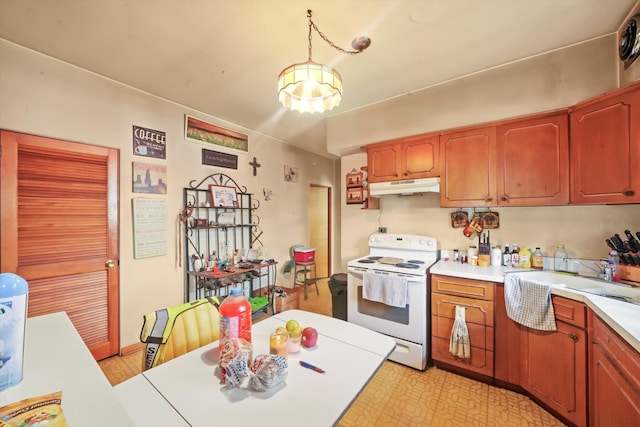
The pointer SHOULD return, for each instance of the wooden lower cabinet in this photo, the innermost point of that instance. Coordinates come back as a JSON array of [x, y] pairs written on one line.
[[614, 378], [477, 299]]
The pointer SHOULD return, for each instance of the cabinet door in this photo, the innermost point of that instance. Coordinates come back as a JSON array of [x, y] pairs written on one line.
[[605, 149], [555, 370], [468, 169], [384, 162], [508, 357], [614, 379], [533, 161], [421, 157]]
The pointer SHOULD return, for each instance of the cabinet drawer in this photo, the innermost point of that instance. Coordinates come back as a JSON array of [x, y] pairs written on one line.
[[570, 311], [625, 357], [479, 335], [463, 287], [481, 360], [478, 311]]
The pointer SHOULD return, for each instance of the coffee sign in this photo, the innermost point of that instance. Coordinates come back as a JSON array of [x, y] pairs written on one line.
[[149, 143]]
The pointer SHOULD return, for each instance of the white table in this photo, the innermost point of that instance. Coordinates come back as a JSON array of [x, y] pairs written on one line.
[[191, 386], [56, 359]]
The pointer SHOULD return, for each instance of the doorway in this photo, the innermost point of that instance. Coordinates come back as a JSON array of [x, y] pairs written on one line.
[[320, 227], [59, 231]]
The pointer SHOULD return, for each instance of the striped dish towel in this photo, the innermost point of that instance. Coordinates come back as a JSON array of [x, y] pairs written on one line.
[[528, 302]]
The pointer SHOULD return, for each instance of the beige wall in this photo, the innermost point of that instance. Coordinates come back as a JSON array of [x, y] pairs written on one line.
[[43, 96], [558, 79]]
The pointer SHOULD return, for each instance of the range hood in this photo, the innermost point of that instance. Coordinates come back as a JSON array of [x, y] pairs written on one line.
[[410, 186]]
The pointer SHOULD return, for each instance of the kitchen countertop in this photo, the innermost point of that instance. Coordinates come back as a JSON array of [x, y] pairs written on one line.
[[622, 317]]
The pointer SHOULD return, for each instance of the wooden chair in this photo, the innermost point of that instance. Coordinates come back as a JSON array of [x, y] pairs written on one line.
[[174, 331]]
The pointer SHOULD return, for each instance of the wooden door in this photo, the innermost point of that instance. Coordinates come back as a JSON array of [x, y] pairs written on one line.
[[421, 157], [468, 172], [533, 161], [383, 162], [605, 149], [320, 228], [59, 231]]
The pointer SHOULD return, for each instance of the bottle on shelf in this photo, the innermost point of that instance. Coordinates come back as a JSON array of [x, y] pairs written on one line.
[[537, 259], [524, 257], [496, 256], [506, 257], [515, 257], [560, 258]]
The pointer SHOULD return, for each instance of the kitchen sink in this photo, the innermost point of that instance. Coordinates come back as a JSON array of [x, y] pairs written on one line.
[[590, 285]]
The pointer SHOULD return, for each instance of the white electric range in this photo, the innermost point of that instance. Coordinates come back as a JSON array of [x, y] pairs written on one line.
[[396, 255]]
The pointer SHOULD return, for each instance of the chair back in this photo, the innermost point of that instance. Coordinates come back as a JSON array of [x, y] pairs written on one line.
[[174, 331]]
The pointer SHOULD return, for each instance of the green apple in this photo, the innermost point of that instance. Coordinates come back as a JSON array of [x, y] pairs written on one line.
[[296, 333], [292, 325], [282, 330]]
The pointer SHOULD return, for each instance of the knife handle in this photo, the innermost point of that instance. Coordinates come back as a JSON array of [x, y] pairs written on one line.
[[635, 245]]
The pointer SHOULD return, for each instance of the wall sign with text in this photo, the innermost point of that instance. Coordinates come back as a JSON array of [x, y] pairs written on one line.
[[149, 143]]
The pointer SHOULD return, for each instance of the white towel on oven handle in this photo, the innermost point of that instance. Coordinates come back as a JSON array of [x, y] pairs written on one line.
[[389, 290]]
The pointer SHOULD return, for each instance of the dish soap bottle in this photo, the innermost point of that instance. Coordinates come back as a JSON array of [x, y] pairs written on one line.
[[537, 259], [524, 256], [559, 259]]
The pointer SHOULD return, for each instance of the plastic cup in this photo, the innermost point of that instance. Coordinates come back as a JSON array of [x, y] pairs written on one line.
[[279, 344]]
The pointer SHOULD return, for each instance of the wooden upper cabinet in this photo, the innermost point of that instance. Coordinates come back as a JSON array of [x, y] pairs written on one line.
[[533, 160], [605, 148], [468, 171], [408, 158]]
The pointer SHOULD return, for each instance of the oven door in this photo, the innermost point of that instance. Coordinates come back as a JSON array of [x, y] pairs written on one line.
[[408, 323]]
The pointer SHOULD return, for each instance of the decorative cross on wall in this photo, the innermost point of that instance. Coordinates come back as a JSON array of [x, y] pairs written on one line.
[[255, 166]]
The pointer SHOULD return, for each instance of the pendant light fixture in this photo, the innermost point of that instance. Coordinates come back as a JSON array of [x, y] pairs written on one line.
[[310, 87]]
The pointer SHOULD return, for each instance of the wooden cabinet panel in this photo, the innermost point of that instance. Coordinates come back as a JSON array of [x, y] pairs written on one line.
[[605, 148], [614, 378], [555, 370], [421, 157], [481, 360], [570, 311], [468, 169], [408, 158], [508, 351], [449, 293], [533, 160], [463, 287], [383, 162]]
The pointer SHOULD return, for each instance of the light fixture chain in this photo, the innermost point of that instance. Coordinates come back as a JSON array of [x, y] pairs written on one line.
[[325, 38], [315, 27]]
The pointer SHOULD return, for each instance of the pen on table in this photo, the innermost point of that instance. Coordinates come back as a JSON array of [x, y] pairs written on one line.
[[310, 366]]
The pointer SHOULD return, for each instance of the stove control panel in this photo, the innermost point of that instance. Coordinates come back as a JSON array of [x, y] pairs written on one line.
[[403, 241]]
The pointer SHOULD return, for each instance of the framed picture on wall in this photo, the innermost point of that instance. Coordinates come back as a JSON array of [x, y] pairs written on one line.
[[223, 197]]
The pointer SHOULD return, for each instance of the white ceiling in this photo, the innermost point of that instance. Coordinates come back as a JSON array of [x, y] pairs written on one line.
[[222, 57]]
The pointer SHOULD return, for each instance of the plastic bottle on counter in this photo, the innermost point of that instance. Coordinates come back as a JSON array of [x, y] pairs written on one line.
[[496, 256], [614, 259], [537, 259], [13, 312], [559, 258], [506, 257], [524, 258], [515, 257]]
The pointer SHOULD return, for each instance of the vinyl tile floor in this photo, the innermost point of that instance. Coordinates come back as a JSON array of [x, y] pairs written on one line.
[[399, 396]]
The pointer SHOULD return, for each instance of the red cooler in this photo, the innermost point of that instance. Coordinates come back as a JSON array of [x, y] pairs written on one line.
[[305, 254]]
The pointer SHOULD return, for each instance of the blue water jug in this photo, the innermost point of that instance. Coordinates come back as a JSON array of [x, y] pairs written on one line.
[[13, 313]]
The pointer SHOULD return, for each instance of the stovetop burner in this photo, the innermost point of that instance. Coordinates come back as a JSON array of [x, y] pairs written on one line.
[[374, 258], [415, 261], [367, 261], [407, 265]]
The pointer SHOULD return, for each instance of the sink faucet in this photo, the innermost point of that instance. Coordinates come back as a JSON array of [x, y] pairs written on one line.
[[605, 273]]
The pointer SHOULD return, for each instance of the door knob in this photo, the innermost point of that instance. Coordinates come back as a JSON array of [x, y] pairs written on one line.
[[109, 263]]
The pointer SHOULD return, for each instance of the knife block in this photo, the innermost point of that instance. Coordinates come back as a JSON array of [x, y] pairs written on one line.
[[628, 272]]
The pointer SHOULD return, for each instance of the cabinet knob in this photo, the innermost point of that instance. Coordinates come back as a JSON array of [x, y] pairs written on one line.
[[406, 173], [573, 337], [504, 198], [628, 192], [489, 199]]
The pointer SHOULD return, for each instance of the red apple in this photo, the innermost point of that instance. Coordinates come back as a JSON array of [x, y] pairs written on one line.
[[309, 337]]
